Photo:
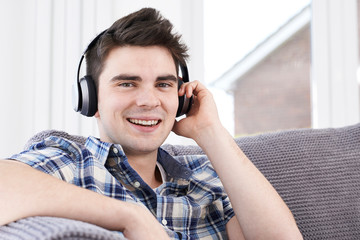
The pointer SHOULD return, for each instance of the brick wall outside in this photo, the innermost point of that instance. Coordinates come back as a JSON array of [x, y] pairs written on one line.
[[275, 94]]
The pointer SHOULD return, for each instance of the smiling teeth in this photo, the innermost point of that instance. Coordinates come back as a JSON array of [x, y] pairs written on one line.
[[144, 122]]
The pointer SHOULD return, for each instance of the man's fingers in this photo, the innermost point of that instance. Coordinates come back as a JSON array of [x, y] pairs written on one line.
[[190, 88]]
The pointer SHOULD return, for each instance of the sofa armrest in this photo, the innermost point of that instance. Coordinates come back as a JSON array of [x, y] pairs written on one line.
[[44, 228]]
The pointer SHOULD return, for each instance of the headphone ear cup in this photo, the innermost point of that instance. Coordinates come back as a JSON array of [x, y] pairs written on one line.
[[181, 104], [76, 97], [184, 102], [88, 96]]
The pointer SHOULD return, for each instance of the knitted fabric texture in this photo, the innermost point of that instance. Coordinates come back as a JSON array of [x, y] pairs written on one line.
[[46, 228], [315, 171]]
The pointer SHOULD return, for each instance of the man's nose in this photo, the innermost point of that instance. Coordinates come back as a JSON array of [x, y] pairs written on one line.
[[148, 98]]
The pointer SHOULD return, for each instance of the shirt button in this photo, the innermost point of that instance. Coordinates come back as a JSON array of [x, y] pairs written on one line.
[[164, 222], [136, 184], [115, 150]]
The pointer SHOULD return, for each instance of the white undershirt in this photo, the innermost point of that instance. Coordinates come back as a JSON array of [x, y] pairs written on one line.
[[162, 172]]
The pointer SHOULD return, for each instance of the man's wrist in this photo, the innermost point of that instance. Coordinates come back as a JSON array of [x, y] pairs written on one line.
[[211, 136]]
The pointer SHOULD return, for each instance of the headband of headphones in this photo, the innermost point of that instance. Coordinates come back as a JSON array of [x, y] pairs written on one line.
[[84, 96], [91, 45]]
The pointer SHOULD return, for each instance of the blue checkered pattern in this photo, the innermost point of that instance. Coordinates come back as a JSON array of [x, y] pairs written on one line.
[[191, 203]]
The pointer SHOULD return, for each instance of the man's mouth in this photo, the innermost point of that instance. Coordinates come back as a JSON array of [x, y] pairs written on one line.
[[146, 123]]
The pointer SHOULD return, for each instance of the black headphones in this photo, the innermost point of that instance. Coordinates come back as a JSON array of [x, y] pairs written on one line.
[[84, 97]]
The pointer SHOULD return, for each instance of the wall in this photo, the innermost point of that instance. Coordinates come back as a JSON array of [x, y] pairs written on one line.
[[275, 94]]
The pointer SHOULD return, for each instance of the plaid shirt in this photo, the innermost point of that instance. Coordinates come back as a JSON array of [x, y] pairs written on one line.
[[190, 204]]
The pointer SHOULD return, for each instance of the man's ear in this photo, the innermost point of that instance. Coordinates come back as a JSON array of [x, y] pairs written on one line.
[[97, 115]]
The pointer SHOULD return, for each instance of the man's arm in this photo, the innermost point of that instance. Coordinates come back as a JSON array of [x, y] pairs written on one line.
[[26, 192], [259, 210]]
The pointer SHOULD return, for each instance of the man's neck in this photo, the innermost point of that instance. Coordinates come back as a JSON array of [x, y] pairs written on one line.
[[145, 166]]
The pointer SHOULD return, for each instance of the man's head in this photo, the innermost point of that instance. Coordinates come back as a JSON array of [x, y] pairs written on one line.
[[135, 67], [145, 27]]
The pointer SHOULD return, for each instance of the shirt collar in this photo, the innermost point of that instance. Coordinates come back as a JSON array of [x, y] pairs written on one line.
[[172, 167], [102, 150]]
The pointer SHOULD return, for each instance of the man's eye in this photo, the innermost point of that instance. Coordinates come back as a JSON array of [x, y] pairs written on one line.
[[164, 85], [126, 84]]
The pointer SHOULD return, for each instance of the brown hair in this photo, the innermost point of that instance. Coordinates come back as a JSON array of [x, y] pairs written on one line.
[[145, 27]]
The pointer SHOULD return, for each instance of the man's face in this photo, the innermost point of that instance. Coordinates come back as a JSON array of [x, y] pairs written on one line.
[[137, 98]]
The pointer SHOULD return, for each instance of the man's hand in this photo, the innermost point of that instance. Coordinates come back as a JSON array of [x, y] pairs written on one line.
[[203, 115], [142, 225]]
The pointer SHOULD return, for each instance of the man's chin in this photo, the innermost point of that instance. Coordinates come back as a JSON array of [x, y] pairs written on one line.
[[143, 147]]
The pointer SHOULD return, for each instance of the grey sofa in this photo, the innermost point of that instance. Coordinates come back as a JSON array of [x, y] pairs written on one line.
[[316, 171]]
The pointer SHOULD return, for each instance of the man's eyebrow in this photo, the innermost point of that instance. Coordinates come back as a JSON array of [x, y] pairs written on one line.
[[125, 77], [137, 78], [167, 77]]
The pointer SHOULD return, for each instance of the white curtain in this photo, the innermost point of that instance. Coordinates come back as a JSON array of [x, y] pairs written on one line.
[[335, 62], [42, 41]]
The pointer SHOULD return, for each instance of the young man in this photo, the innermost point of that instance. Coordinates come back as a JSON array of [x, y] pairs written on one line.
[[136, 187]]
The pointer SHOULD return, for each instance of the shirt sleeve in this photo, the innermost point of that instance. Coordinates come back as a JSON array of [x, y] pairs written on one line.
[[207, 176], [54, 156], [226, 204], [228, 210]]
